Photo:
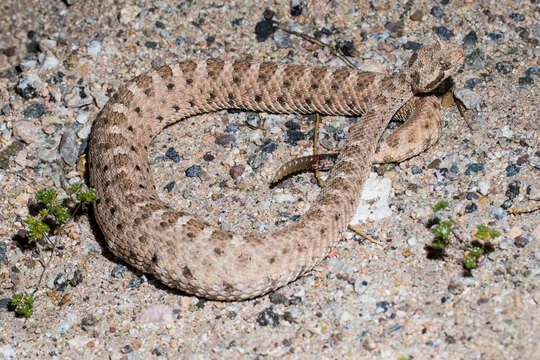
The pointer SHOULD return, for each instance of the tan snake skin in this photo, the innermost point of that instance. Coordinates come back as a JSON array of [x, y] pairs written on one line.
[[189, 254]]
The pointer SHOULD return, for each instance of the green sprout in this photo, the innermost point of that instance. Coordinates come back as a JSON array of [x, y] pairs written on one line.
[[38, 229], [483, 232], [441, 205], [442, 233], [23, 305], [471, 258]]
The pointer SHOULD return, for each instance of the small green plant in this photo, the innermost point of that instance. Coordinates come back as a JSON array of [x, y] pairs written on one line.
[[23, 305], [442, 233], [471, 258], [51, 216], [483, 233], [441, 205]]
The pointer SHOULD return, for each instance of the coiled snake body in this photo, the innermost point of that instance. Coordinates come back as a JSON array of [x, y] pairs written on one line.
[[187, 253]]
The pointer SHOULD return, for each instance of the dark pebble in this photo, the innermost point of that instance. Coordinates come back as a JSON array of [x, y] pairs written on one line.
[[267, 317], [151, 44], [296, 9], [437, 12], [136, 283], [517, 17], [159, 351], [269, 146], [474, 168], [503, 68], [277, 298], [470, 39], [193, 171], [507, 204], [172, 155], [236, 171], [34, 111], [454, 169], [521, 241], [3, 250], [5, 303], [208, 157], [383, 306], [169, 186], [346, 47], [179, 41], [77, 278], [416, 170], [445, 2], [293, 136], [126, 349], [434, 164], [292, 125], [470, 208], [118, 271], [88, 322], [322, 32], [524, 34], [532, 71], [471, 195], [60, 282], [525, 81], [496, 35], [512, 170], [160, 25], [444, 33], [225, 140], [471, 83], [522, 159], [412, 45], [394, 27], [6, 110], [476, 59], [264, 29], [513, 189], [232, 128]]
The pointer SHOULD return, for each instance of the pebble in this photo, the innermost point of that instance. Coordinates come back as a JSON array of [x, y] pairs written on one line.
[[232, 128], [93, 48], [128, 14], [282, 40], [69, 148], [28, 64], [472, 207], [503, 68], [471, 83], [26, 131], [412, 45], [469, 98], [495, 35], [208, 157], [474, 168], [267, 317], [360, 285], [8, 351], [517, 17], [512, 170], [497, 212], [369, 344], [34, 111], [521, 241], [475, 60], [417, 15], [256, 160], [437, 12], [84, 132], [66, 324], [469, 41], [471, 196], [444, 33], [416, 170], [82, 117], [346, 47], [193, 171], [225, 140], [172, 155], [236, 171], [264, 29], [483, 187], [293, 136], [49, 62], [3, 248], [513, 189], [169, 186], [77, 98], [118, 271], [47, 45], [160, 314]]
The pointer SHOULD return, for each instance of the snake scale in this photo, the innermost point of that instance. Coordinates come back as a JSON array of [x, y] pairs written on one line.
[[186, 253]]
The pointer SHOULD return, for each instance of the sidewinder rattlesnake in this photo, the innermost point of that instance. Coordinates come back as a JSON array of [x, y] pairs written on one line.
[[187, 253]]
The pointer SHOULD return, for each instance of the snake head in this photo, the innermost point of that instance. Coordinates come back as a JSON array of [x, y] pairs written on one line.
[[430, 65]]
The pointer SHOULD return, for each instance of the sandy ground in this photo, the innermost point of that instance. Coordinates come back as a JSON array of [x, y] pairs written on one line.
[[60, 61]]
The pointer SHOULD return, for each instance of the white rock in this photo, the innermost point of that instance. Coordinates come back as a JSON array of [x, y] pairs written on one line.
[[128, 14], [281, 198], [7, 351], [93, 48], [374, 189], [49, 62], [82, 117], [157, 314], [483, 187]]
